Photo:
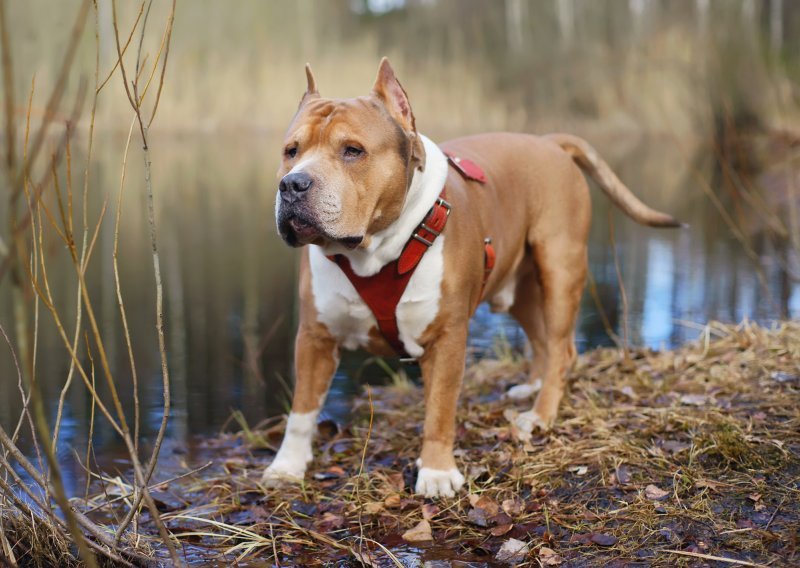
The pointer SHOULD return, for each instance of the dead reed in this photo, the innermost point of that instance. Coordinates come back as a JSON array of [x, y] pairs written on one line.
[[38, 522]]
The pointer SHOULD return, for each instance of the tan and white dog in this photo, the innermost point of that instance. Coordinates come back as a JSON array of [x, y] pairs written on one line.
[[357, 179]]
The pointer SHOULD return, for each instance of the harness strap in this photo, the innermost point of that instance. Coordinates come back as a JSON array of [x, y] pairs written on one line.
[[466, 168], [489, 258], [382, 291]]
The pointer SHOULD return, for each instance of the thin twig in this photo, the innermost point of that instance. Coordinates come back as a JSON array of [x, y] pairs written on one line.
[[715, 558], [120, 302], [134, 101], [621, 283]]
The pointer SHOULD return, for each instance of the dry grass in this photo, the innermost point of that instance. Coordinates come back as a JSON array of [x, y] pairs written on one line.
[[665, 459]]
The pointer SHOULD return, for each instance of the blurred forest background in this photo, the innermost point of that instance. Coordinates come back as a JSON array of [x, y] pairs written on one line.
[[613, 65], [695, 103]]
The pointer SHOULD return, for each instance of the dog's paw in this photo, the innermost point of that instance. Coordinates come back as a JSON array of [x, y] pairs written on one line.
[[524, 391], [280, 472], [438, 482], [523, 424]]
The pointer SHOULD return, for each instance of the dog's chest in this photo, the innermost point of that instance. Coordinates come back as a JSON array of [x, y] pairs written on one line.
[[350, 320]]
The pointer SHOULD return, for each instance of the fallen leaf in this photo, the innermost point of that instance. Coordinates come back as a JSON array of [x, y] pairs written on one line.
[[396, 481], [512, 507], [500, 530], [549, 557], [330, 522], [578, 470], [365, 558], [601, 539], [655, 493], [487, 504], [260, 513], [513, 551], [429, 511], [477, 516], [581, 538], [392, 501], [419, 533], [475, 471], [755, 497], [500, 519], [373, 508]]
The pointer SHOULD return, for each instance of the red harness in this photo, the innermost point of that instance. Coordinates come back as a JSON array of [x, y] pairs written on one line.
[[382, 291]]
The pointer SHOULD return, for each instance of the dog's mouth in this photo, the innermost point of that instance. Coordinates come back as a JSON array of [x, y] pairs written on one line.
[[304, 231], [298, 230]]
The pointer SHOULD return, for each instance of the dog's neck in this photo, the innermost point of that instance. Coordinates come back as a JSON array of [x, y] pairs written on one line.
[[386, 245]]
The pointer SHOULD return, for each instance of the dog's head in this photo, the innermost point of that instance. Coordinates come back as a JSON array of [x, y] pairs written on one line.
[[347, 164]]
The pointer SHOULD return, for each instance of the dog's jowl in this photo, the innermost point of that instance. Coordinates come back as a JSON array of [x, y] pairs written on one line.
[[403, 238]]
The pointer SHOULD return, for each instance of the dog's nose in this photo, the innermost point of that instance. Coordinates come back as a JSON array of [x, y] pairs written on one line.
[[292, 186]]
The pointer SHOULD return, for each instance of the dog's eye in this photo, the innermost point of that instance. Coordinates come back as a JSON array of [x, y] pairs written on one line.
[[290, 152], [352, 152]]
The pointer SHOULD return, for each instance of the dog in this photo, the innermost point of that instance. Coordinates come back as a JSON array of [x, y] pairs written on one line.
[[499, 217]]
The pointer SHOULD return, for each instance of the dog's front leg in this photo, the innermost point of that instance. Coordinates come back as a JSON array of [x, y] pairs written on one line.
[[442, 372], [316, 359]]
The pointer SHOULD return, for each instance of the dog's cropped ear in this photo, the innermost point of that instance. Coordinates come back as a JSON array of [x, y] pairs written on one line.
[[311, 87], [394, 97]]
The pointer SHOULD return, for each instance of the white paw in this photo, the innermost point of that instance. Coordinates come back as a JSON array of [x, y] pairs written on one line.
[[438, 482], [294, 454], [283, 471], [524, 391], [527, 422]]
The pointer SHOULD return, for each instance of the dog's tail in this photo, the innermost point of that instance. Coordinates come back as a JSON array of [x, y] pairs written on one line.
[[590, 162]]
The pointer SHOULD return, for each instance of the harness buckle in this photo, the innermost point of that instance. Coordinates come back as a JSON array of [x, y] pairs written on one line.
[[444, 203], [431, 230], [408, 361], [423, 240]]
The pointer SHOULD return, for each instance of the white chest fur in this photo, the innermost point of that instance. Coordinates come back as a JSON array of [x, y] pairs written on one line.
[[338, 304], [349, 319]]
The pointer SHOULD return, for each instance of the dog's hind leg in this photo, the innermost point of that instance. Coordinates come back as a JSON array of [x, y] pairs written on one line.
[[316, 359], [561, 265], [527, 310]]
